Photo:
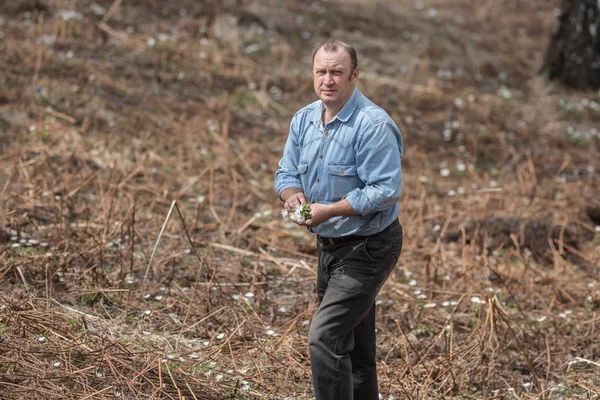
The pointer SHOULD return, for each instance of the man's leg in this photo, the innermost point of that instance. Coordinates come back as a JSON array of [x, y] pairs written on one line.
[[330, 340], [355, 274], [363, 357]]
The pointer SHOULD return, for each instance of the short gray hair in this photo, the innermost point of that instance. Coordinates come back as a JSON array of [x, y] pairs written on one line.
[[332, 46]]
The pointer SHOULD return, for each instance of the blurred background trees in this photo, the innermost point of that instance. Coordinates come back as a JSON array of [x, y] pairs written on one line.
[[573, 56]]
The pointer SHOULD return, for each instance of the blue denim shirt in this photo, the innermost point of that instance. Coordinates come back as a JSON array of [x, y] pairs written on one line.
[[355, 156]]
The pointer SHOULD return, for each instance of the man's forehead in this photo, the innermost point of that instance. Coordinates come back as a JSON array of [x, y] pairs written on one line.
[[339, 57]]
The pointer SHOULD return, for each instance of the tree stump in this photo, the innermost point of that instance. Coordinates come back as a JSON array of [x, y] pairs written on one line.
[[573, 56]]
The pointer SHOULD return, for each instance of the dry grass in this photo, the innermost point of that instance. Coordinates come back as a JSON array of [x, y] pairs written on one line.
[[141, 251]]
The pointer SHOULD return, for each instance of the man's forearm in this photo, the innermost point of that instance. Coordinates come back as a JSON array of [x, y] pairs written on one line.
[[322, 212], [341, 208]]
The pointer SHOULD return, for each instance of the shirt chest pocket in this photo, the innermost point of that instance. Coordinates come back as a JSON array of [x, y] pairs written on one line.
[[343, 178]]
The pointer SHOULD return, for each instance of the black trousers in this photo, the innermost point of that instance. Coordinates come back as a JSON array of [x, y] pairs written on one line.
[[341, 340]]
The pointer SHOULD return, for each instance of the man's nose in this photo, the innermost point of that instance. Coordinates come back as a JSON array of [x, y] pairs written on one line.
[[328, 79]]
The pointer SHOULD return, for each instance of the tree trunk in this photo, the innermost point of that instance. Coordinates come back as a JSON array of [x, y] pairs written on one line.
[[573, 56]]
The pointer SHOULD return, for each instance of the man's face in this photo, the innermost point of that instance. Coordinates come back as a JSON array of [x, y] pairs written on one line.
[[333, 78]]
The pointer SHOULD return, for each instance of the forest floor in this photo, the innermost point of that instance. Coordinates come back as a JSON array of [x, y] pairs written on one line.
[[142, 254]]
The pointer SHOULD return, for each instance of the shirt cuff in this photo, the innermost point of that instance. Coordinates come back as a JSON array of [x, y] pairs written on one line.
[[360, 202]]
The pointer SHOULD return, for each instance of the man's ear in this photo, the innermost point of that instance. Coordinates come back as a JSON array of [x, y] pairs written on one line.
[[354, 75]]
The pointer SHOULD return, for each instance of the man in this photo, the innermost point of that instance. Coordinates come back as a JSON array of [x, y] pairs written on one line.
[[342, 157]]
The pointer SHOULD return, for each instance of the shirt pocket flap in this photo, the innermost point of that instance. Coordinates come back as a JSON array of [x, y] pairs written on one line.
[[342, 169], [302, 168]]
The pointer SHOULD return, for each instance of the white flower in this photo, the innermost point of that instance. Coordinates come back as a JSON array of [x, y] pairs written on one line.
[[220, 336], [504, 92], [447, 135], [297, 214], [476, 300]]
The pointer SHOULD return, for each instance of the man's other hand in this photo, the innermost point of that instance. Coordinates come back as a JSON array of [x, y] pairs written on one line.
[[293, 198]]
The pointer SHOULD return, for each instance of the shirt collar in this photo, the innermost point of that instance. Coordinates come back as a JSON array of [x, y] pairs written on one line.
[[344, 114]]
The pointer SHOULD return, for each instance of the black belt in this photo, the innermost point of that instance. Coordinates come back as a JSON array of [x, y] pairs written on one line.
[[352, 238]]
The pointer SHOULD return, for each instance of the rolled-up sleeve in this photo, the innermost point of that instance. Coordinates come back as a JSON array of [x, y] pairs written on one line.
[[287, 175], [378, 154]]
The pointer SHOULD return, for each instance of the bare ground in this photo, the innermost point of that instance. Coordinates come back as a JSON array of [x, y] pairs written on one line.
[[141, 250]]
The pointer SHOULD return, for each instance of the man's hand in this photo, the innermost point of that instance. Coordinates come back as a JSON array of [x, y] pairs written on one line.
[[322, 212], [319, 213], [292, 198]]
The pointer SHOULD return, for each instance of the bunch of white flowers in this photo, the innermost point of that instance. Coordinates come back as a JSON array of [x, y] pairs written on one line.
[[300, 214]]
